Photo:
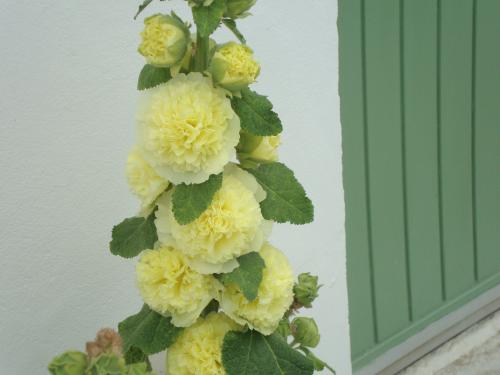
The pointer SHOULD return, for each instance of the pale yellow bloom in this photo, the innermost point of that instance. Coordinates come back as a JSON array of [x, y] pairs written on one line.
[[231, 226], [170, 287], [198, 350], [187, 129], [274, 297], [234, 67], [143, 180], [164, 40]]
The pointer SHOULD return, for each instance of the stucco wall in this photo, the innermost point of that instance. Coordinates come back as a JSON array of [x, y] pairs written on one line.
[[68, 75]]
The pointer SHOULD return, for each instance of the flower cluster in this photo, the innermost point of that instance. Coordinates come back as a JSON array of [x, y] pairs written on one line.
[[205, 170]]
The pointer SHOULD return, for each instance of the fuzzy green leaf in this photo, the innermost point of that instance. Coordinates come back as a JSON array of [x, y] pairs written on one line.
[[148, 331], [152, 76], [247, 276], [208, 18], [190, 201], [286, 199], [250, 353], [256, 114], [133, 235], [136, 355], [318, 364], [231, 25]]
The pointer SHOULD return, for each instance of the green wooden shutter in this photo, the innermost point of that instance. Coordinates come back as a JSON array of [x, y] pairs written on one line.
[[420, 110]]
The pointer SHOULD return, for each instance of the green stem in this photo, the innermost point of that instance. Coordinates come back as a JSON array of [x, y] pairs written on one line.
[[201, 55]]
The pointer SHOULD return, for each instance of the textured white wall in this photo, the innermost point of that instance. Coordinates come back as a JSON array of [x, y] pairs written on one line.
[[68, 75]]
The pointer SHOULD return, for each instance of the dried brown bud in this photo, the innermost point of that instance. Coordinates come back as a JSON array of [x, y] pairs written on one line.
[[106, 341]]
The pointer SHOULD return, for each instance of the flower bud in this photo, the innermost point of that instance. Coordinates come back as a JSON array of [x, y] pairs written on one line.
[[205, 3], [165, 40], [305, 331], [106, 364], [69, 363], [238, 8], [233, 66], [306, 290], [106, 341]]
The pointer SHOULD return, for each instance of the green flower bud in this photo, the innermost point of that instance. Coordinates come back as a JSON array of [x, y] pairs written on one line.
[[205, 3], [165, 40], [238, 8], [306, 290], [305, 332], [69, 363], [233, 66], [284, 328], [107, 364], [138, 369]]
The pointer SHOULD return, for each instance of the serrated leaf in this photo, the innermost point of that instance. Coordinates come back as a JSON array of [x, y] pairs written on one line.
[[190, 201], [208, 18], [151, 76], [250, 353], [256, 113], [142, 7], [133, 235], [318, 364], [247, 276], [231, 25], [148, 331], [286, 199]]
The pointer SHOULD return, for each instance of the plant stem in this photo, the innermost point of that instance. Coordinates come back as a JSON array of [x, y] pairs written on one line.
[[201, 55]]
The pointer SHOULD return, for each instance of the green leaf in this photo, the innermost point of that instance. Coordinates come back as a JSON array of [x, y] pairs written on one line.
[[133, 235], [318, 364], [231, 25], [152, 76], [256, 114], [207, 18], [286, 199], [148, 331], [142, 7], [136, 355], [190, 201], [250, 353], [247, 276]]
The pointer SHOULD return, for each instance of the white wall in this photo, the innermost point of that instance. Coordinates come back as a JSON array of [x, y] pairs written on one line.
[[68, 74]]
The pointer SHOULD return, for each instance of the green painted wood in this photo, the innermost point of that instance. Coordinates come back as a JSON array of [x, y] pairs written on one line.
[[446, 308], [421, 141], [487, 137], [420, 111], [385, 165], [357, 225], [456, 147]]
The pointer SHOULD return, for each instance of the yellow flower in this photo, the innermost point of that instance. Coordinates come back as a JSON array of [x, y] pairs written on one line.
[[274, 297], [233, 66], [143, 180], [164, 40], [170, 287], [187, 129], [231, 226], [197, 350]]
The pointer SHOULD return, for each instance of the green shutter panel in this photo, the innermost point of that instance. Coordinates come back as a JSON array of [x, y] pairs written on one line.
[[420, 112]]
